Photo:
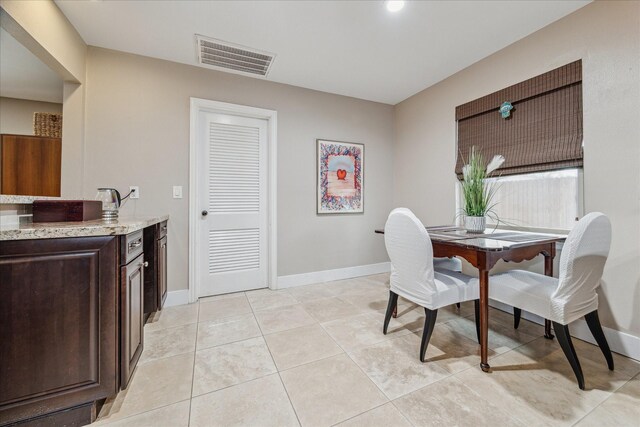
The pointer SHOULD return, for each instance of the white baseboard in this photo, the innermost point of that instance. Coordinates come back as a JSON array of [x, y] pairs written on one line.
[[177, 298], [619, 342], [331, 275]]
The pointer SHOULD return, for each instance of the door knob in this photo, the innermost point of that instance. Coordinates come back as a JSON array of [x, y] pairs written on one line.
[[205, 213]]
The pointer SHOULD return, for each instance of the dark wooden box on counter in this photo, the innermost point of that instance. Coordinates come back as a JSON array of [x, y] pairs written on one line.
[[66, 210]]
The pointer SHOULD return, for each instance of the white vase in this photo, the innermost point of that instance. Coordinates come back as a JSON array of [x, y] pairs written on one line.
[[475, 224]]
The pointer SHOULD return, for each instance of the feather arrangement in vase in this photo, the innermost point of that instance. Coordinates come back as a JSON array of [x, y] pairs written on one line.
[[478, 193]]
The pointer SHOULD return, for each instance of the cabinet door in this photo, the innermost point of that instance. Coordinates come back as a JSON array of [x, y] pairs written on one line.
[[58, 324], [131, 317], [162, 271], [30, 165]]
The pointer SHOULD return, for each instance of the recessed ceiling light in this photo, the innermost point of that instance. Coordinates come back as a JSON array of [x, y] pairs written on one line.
[[394, 5]]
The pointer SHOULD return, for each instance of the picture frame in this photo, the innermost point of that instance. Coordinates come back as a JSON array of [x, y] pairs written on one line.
[[339, 177]]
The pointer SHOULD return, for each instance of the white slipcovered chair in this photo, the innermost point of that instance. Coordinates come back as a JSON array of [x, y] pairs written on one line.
[[570, 296], [413, 276], [448, 264]]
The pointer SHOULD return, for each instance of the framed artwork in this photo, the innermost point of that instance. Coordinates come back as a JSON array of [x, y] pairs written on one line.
[[340, 177]]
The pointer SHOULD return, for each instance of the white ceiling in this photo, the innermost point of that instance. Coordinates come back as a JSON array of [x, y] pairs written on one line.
[[23, 75], [353, 48]]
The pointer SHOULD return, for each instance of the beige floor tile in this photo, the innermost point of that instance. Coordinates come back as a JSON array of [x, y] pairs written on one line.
[[227, 330], [230, 364], [308, 293], [382, 278], [265, 299], [622, 408], [546, 359], [219, 297], [411, 316], [176, 415], [326, 309], [502, 338], [372, 300], [506, 319], [169, 342], [353, 287], [283, 318], [154, 385], [394, 365], [301, 345], [361, 330], [592, 352], [536, 393], [329, 391], [383, 416], [226, 307], [449, 403], [451, 350], [262, 402], [170, 317]]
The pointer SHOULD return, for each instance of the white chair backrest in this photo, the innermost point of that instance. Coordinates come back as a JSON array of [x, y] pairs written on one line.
[[582, 260], [411, 253]]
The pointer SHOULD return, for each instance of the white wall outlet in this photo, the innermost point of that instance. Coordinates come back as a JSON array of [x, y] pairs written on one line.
[[135, 192], [177, 191]]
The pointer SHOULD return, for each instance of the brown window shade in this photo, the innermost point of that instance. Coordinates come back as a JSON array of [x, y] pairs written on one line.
[[544, 131]]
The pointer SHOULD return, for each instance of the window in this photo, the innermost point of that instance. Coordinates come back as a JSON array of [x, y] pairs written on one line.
[[541, 183], [543, 201]]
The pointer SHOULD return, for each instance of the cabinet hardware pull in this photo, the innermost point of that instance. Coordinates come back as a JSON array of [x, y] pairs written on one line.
[[205, 213], [146, 264], [135, 244]]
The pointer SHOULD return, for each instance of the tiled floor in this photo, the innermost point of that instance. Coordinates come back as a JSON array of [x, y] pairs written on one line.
[[316, 356]]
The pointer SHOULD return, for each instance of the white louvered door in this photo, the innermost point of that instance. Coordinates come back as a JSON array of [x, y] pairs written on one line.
[[232, 231]]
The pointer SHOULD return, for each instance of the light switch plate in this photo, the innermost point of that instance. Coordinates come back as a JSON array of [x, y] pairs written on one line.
[[177, 191], [136, 192]]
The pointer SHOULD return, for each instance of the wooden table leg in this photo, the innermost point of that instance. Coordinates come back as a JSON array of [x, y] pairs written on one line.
[[548, 271], [484, 319]]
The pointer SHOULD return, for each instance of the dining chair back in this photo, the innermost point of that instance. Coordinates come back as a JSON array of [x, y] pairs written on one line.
[[582, 263], [414, 278], [572, 295], [411, 254]]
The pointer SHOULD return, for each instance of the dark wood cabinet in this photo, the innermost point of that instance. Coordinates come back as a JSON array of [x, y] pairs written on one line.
[[58, 327], [131, 317], [72, 313], [30, 165]]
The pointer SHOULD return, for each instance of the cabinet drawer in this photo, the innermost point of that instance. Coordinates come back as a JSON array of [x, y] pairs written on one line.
[[131, 247]]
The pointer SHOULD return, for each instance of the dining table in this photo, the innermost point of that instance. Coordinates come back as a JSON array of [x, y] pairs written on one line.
[[483, 251]]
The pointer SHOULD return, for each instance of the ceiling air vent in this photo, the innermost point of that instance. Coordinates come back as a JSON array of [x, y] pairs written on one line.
[[225, 56]]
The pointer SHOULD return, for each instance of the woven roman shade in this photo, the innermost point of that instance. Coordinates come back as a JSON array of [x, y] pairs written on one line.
[[544, 131]]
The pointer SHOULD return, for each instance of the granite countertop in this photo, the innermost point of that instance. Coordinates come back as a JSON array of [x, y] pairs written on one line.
[[54, 230], [18, 200]]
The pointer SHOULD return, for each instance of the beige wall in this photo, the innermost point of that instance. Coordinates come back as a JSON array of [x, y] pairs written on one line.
[[137, 133], [606, 36], [43, 29], [16, 115]]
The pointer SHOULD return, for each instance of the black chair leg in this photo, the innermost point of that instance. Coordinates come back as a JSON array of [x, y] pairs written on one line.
[[393, 301], [458, 305], [596, 330], [564, 339], [517, 313], [476, 306], [429, 323]]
